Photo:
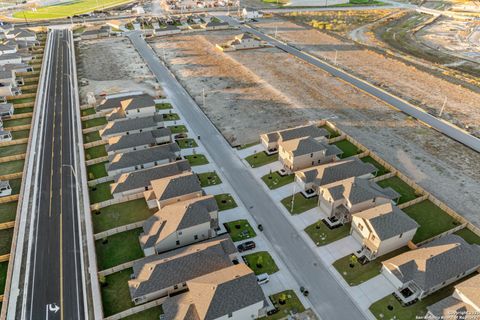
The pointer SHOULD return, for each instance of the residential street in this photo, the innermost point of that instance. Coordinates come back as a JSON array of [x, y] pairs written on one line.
[[328, 297]]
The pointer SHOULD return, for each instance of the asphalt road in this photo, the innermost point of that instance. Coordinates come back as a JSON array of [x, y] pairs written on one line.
[[55, 287], [328, 297], [444, 127]]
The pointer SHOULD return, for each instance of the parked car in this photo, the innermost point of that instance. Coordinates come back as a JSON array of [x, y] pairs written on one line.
[[181, 136], [249, 245], [263, 278], [273, 311]]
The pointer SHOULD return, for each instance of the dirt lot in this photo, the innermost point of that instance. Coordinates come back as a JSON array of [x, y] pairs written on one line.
[[253, 91], [419, 87], [112, 65]]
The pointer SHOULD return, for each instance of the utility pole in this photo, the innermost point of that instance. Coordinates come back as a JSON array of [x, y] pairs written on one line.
[[443, 107]]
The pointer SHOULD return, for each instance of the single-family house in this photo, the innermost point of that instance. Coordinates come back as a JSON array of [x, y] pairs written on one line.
[[271, 140], [166, 274], [311, 179], [18, 67], [464, 303], [339, 200], [301, 153], [229, 293], [420, 272], [21, 35], [173, 189], [5, 189], [131, 126], [139, 181], [141, 159], [6, 109], [8, 77], [251, 13], [10, 58], [242, 41], [138, 141], [113, 101], [382, 229], [6, 26], [7, 90], [136, 106], [180, 224], [5, 135], [8, 49], [166, 30]]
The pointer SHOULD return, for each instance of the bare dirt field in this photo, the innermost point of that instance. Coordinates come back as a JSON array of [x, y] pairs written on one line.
[[417, 86], [112, 65], [253, 91]]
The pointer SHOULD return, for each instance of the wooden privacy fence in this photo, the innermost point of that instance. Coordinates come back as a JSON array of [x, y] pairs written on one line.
[[137, 309], [11, 176], [114, 231], [96, 160], [94, 144], [12, 158], [7, 225], [13, 142], [13, 197], [110, 202], [92, 129], [91, 183]]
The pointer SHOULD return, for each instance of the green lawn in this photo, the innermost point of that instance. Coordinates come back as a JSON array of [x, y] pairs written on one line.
[[186, 143], [406, 192], [209, 179], [260, 262], [3, 275], [348, 148], [120, 214], [87, 112], [120, 248], [170, 117], [355, 273], [95, 152], [149, 314], [6, 236], [13, 150], [239, 230], [17, 122], [178, 129], [97, 170], [23, 110], [91, 136], [322, 235], [300, 203], [355, 3], [260, 159], [469, 236], [100, 192], [432, 220], [21, 100], [196, 159], [15, 184], [8, 211], [163, 106], [274, 180], [287, 302], [20, 134], [94, 122], [225, 201], [11, 167], [381, 169], [333, 133], [67, 9], [277, 2], [115, 293]]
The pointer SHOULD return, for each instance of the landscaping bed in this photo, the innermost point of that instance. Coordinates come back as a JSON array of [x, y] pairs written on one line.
[[274, 180], [94, 122], [97, 170], [118, 249], [322, 235], [208, 179], [348, 148], [381, 169], [239, 230], [120, 214], [95, 152], [225, 201], [8, 211], [163, 106], [11, 167], [260, 262], [100, 192], [13, 150], [260, 159], [300, 203], [186, 143], [406, 192], [178, 129], [170, 117], [196, 159], [286, 302], [115, 292]]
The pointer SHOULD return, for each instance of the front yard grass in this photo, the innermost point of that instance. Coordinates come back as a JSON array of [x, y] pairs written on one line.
[[274, 180], [163, 106], [178, 129], [120, 214], [197, 159], [260, 262], [13, 150], [468, 236], [286, 302], [3, 275], [97, 170], [170, 117], [406, 192], [6, 236], [239, 230], [115, 293], [381, 169], [91, 136], [300, 203], [260, 159], [432, 220], [209, 179], [186, 143], [87, 112], [95, 152], [225, 201], [348, 148], [94, 122], [17, 122], [100, 192], [118, 249], [11, 167], [8, 211], [322, 235], [21, 134], [355, 273]]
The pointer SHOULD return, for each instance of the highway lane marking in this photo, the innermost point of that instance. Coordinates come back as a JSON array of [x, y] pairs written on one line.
[[61, 184]]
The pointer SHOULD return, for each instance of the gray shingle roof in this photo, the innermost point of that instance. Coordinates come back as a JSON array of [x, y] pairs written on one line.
[[141, 178], [115, 101], [139, 157], [5, 107], [122, 126], [357, 190], [176, 186], [137, 139], [435, 262], [306, 145], [451, 307], [297, 132]]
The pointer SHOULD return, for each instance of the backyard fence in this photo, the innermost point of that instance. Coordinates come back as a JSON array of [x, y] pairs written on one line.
[[94, 116], [110, 202], [5, 257], [20, 116], [22, 96], [92, 129], [114, 231], [11, 176], [443, 234], [137, 309], [91, 183], [96, 160], [12, 158], [25, 105], [13, 142], [412, 202], [7, 225], [118, 268], [13, 197], [18, 128], [94, 144]]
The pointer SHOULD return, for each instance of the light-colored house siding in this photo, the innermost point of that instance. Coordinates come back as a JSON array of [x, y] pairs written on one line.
[[184, 237], [251, 312]]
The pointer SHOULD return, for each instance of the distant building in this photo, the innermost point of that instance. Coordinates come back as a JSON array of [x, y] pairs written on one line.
[[242, 42], [270, 141], [251, 14]]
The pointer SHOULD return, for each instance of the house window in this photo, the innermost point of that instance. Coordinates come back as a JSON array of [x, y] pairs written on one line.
[[140, 130], [311, 155], [230, 315], [195, 237], [360, 227], [179, 233], [372, 237], [177, 242], [175, 287]]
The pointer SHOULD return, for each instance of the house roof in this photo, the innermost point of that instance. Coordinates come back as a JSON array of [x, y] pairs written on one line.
[[306, 145], [4, 47], [139, 157], [114, 100], [178, 216], [333, 172], [435, 262], [387, 220], [216, 24], [9, 56], [6, 107], [175, 186], [216, 294], [470, 289], [162, 271], [357, 190], [22, 33], [297, 132], [136, 139], [4, 184], [141, 178], [121, 126], [452, 308]]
